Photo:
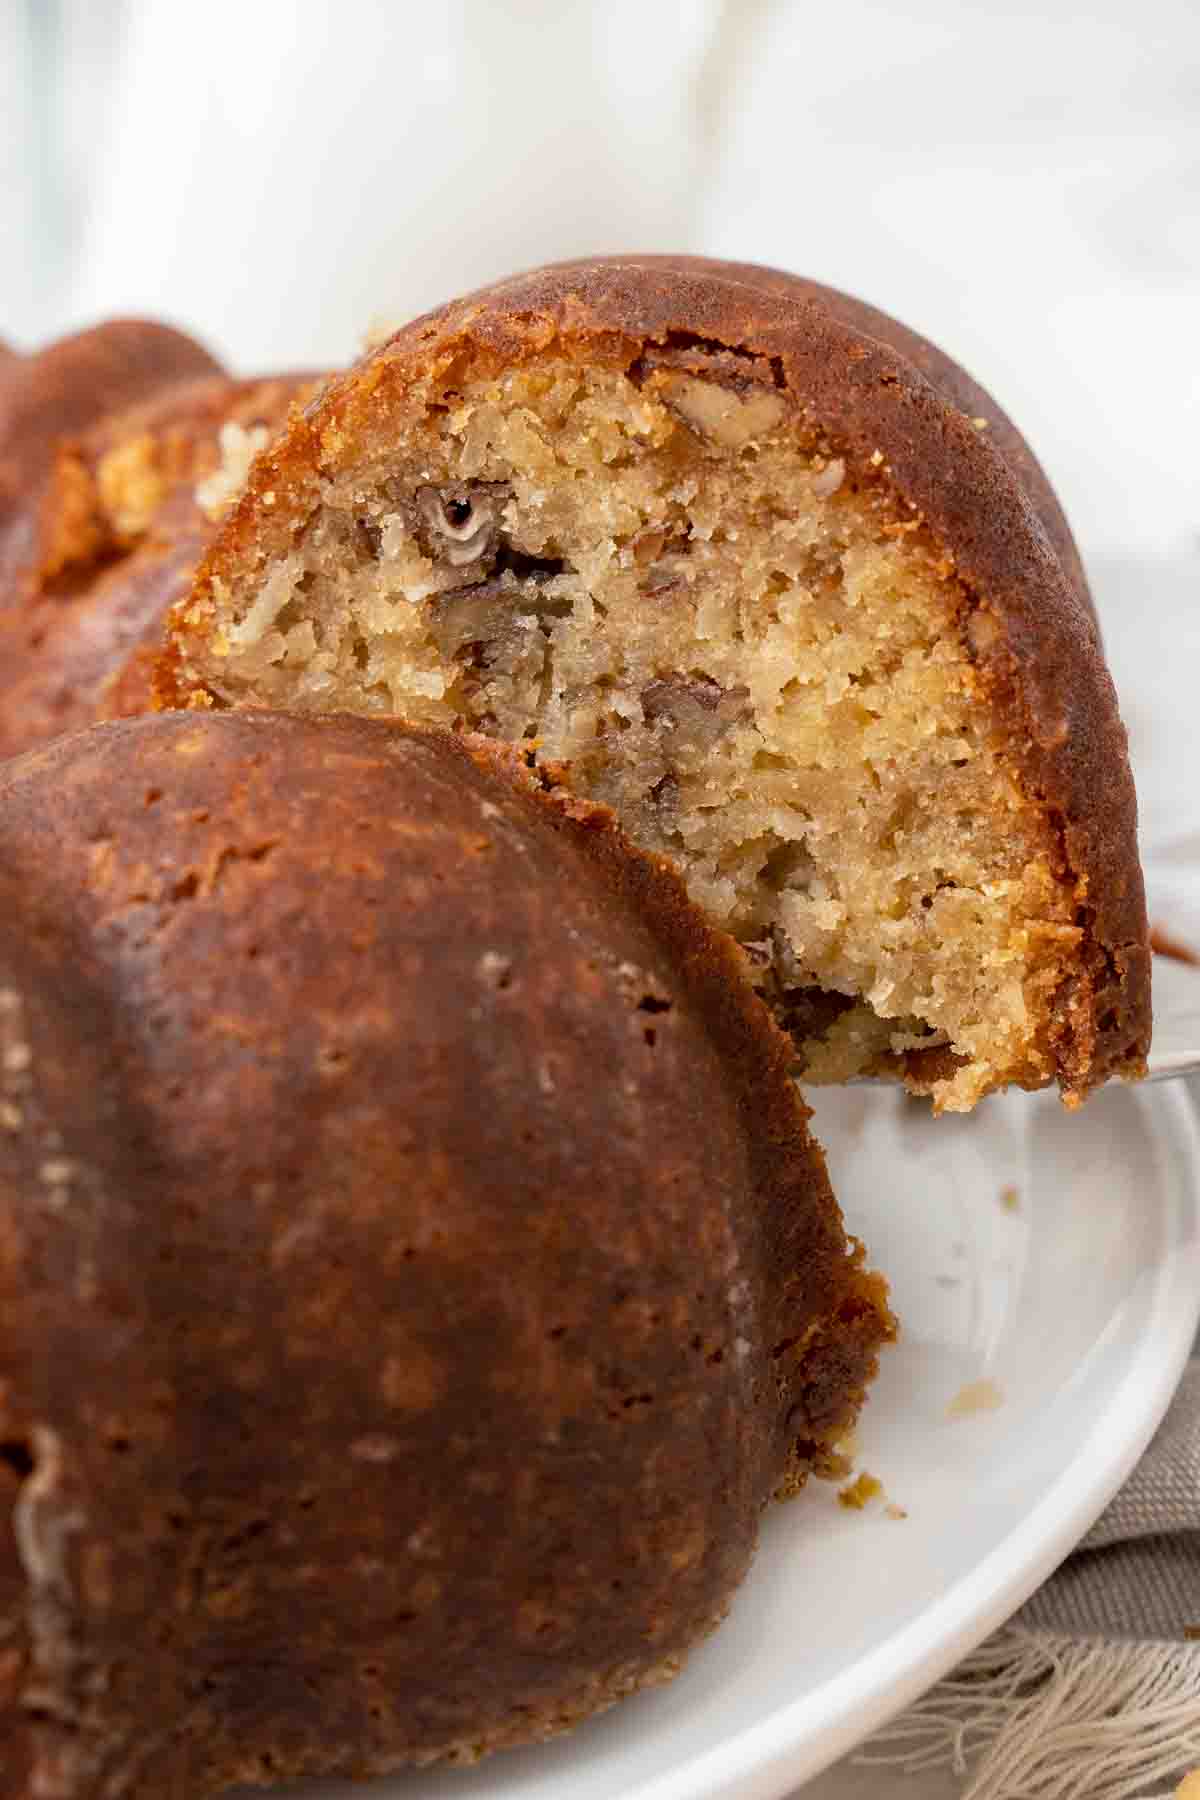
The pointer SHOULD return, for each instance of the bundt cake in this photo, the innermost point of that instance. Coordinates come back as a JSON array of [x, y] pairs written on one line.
[[118, 449], [415, 1272], [58, 394], [769, 575]]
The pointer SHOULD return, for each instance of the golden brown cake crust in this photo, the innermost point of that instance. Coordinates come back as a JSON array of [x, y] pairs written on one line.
[[113, 535], [953, 383], [415, 1272], [62, 392], [894, 405]]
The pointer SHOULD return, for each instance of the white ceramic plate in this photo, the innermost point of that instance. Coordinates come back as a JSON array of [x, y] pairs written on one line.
[[1075, 1305]]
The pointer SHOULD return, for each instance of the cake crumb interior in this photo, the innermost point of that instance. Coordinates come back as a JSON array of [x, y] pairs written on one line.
[[662, 576]]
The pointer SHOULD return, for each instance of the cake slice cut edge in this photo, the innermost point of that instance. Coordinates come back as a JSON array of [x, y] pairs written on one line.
[[737, 567]]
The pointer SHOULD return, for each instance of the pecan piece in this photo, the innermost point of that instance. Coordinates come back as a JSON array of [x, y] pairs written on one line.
[[695, 706], [724, 397], [460, 524]]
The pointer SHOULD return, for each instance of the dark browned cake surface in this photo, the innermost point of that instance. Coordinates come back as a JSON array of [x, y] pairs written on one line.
[[62, 392], [953, 383], [14, 1735], [896, 455], [415, 1272], [109, 522]]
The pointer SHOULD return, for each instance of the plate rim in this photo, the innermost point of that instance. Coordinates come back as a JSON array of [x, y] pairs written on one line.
[[769, 1759]]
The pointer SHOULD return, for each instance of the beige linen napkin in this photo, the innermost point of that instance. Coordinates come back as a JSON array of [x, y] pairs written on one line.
[[1092, 1690]]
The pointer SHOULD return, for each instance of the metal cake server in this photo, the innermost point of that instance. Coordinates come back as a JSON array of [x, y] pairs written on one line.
[[1175, 1049]]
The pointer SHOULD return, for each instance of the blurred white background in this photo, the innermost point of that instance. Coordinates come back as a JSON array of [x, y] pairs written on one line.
[[1019, 181]]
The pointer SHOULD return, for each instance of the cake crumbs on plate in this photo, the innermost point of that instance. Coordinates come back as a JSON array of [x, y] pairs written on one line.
[[1010, 1198], [892, 1511], [975, 1397], [859, 1493]]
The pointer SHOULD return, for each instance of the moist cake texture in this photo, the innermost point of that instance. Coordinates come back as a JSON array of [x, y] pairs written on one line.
[[416, 1275], [767, 574]]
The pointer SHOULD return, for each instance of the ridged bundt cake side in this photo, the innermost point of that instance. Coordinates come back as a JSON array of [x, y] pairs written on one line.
[[415, 1272], [123, 480], [734, 549], [58, 394]]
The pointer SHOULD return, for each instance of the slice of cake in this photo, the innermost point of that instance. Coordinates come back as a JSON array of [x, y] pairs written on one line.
[[769, 575], [416, 1275]]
